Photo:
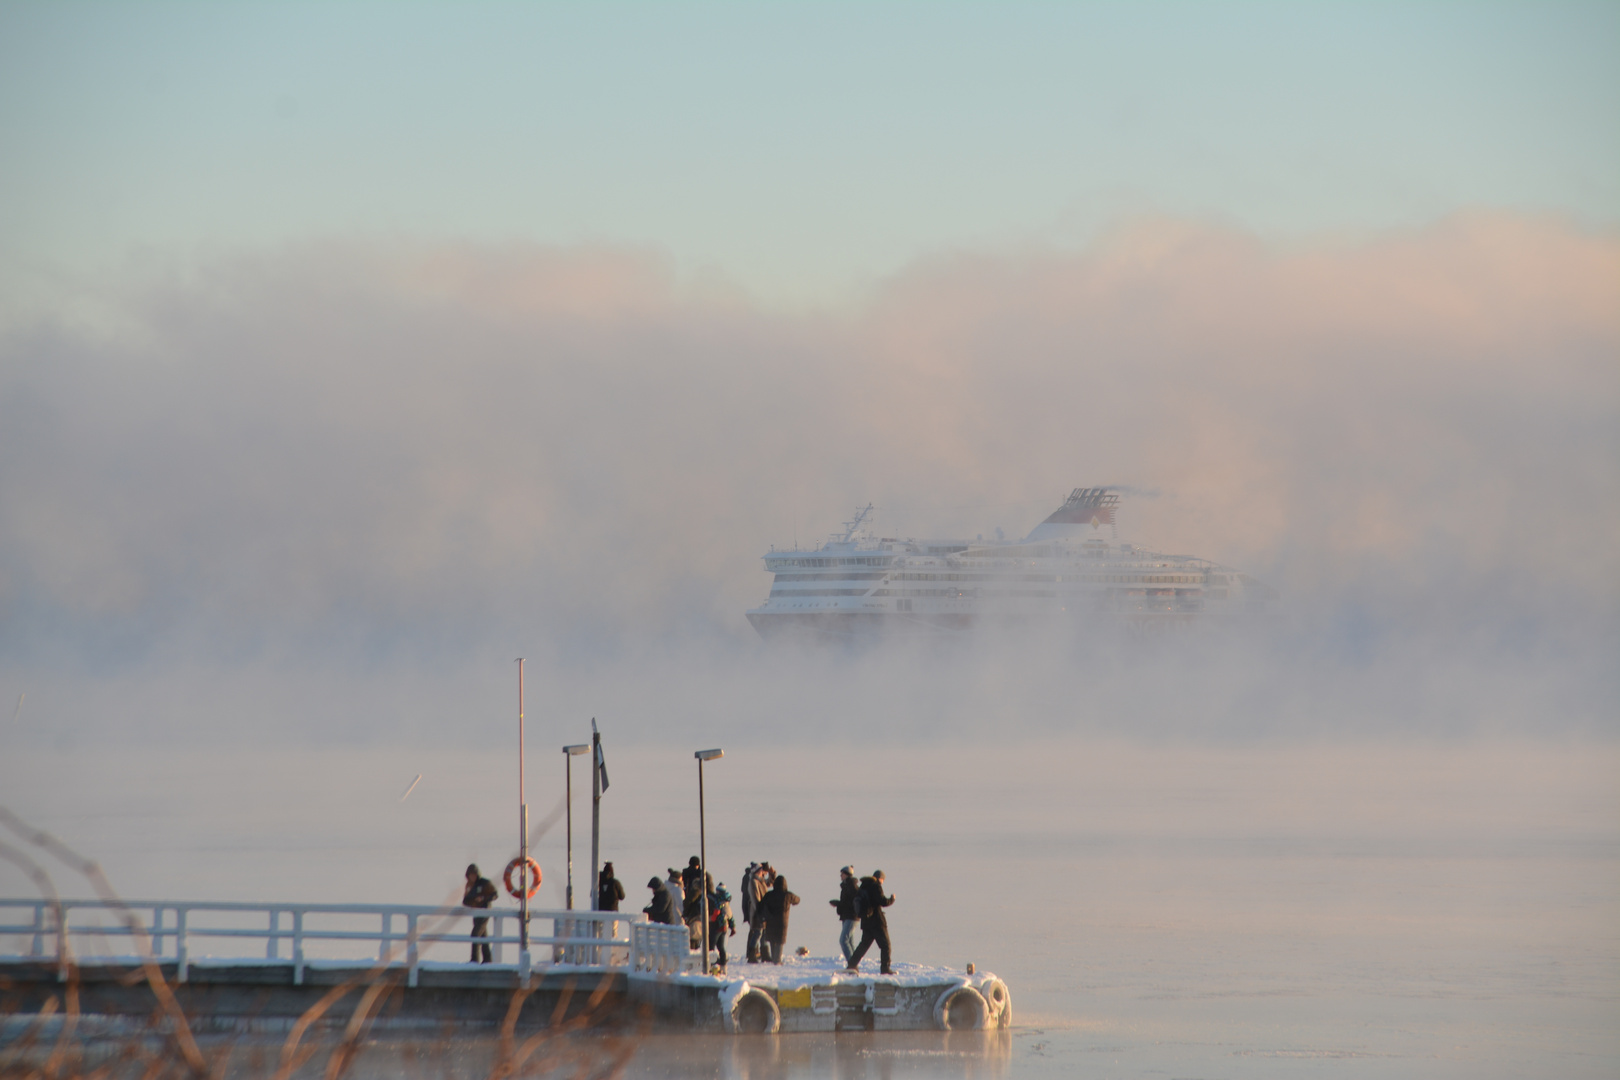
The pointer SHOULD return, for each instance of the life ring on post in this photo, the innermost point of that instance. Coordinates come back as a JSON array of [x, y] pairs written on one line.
[[534, 870]]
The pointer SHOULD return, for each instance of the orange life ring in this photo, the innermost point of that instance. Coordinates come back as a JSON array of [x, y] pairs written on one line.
[[534, 869]]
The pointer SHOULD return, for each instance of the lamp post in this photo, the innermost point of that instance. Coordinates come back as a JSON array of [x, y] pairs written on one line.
[[523, 848], [569, 754], [703, 849]]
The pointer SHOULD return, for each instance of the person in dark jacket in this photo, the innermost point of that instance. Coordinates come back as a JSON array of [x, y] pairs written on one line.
[[874, 924], [480, 893], [692, 902], [775, 907], [662, 908], [608, 890], [845, 908], [746, 891], [754, 890]]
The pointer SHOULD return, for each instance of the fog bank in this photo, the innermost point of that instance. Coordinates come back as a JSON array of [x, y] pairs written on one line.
[[333, 490]]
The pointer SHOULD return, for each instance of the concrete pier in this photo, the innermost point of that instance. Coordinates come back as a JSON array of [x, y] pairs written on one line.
[[597, 968], [809, 995], [817, 994], [257, 996]]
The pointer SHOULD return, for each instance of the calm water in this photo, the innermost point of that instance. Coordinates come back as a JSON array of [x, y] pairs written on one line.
[[1383, 910]]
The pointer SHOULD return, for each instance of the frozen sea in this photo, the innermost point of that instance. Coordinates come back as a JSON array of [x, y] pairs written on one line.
[[1363, 909]]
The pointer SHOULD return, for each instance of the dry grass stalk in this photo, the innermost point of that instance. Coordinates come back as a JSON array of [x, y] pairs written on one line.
[[177, 1053]]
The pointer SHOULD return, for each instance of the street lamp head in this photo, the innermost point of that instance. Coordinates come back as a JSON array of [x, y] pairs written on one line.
[[577, 749], [708, 755]]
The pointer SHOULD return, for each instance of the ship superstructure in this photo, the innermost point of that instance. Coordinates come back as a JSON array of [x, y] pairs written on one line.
[[1071, 567]]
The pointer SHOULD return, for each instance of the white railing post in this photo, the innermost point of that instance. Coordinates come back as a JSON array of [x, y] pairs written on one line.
[[412, 954], [157, 932], [500, 932], [182, 949], [298, 946], [38, 947], [387, 929], [61, 942], [272, 946]]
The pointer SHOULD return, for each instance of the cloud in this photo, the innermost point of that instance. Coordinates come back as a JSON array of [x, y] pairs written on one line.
[[420, 455]]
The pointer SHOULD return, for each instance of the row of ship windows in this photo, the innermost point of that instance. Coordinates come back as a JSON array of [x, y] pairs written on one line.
[[1084, 579], [856, 560], [847, 575], [1123, 579], [949, 594]]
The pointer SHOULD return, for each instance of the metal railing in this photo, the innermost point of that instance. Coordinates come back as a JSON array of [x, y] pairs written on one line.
[[657, 949], [168, 930]]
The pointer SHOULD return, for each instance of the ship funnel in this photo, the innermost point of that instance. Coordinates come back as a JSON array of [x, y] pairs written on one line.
[[1085, 510]]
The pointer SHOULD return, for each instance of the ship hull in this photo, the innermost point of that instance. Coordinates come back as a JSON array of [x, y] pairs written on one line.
[[851, 625]]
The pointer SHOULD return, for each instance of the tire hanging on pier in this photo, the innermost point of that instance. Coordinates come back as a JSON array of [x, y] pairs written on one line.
[[961, 1008], [534, 876], [753, 1012], [998, 1001]]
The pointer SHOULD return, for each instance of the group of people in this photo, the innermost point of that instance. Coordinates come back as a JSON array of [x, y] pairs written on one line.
[[766, 904], [678, 899]]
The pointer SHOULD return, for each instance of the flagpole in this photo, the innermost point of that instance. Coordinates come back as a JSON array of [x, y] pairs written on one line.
[[596, 817], [523, 842]]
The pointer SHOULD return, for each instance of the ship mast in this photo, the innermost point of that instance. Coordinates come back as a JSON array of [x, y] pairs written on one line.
[[861, 513]]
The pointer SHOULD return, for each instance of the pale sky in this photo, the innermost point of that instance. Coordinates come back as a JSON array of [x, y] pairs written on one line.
[[801, 151]]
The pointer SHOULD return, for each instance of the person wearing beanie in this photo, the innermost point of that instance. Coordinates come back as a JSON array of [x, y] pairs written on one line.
[[480, 893], [874, 924], [720, 919], [677, 892], [662, 908], [692, 905], [608, 890], [844, 906]]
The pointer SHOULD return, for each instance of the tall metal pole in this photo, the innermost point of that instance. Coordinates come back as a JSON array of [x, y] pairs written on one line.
[[596, 816], [523, 829], [703, 868], [703, 849], [568, 796]]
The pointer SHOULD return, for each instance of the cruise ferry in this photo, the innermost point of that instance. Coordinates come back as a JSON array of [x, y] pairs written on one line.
[[1071, 567]]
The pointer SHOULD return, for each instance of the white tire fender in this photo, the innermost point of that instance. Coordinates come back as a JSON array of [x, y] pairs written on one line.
[[998, 1001], [757, 1002], [959, 1000]]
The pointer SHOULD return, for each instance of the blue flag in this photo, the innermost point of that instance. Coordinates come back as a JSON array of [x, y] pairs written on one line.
[[601, 762]]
